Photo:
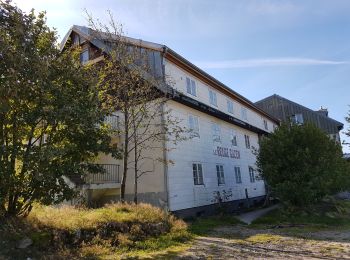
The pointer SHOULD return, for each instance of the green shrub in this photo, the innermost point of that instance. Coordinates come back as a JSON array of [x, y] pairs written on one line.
[[301, 164]]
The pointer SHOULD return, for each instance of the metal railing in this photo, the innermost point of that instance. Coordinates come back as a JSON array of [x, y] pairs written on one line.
[[112, 121], [110, 175]]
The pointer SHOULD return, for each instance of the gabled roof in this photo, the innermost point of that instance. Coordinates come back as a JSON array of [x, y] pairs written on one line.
[[99, 39], [100, 42], [275, 96]]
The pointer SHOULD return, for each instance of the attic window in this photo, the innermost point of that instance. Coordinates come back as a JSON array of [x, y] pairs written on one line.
[[76, 39], [84, 56]]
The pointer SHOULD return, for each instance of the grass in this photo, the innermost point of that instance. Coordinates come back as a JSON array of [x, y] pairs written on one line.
[[111, 232], [204, 225], [325, 214]]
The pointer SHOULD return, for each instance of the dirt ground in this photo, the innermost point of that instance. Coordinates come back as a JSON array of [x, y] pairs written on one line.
[[244, 242]]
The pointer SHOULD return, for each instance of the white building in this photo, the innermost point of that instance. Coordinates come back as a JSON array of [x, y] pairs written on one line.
[[219, 158]]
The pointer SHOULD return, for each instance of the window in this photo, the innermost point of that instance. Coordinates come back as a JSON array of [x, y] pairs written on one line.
[[238, 174], [233, 137], [230, 106], [244, 113], [84, 56], [220, 174], [216, 132], [76, 39], [251, 174], [265, 125], [212, 97], [191, 87], [193, 125], [297, 119], [247, 141], [112, 121], [197, 174]]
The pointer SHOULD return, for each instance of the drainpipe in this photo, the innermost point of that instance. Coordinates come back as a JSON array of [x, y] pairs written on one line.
[[165, 155]]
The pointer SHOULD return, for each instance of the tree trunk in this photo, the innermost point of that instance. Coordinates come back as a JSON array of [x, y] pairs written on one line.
[[135, 155], [125, 156], [135, 173]]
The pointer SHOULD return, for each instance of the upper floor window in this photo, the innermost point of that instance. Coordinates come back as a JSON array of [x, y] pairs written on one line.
[[233, 137], [220, 174], [197, 174], [244, 113], [230, 106], [216, 132], [76, 39], [84, 56], [193, 125], [238, 174], [212, 98], [297, 119], [265, 125], [247, 141], [191, 87], [251, 174]]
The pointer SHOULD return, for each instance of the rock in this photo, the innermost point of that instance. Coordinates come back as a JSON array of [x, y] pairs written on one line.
[[24, 243]]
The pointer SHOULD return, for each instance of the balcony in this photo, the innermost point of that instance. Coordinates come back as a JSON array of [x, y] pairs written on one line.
[[108, 178]]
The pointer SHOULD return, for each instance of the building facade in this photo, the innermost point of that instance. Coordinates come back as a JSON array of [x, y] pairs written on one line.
[[217, 163], [289, 111]]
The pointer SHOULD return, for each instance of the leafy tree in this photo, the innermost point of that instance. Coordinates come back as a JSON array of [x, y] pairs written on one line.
[[130, 87], [302, 164], [49, 114]]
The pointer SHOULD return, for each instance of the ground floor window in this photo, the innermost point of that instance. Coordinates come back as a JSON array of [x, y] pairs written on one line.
[[238, 174], [251, 174], [220, 174], [197, 174]]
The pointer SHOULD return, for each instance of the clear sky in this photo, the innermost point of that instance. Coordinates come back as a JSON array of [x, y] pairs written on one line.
[[297, 49]]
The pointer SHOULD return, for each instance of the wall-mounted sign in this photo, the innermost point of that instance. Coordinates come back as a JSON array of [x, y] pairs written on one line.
[[226, 152]]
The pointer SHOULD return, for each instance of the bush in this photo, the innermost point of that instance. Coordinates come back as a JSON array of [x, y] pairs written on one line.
[[301, 164]]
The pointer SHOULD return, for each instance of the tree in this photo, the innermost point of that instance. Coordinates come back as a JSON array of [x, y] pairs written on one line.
[[129, 86], [49, 114], [347, 133], [302, 164]]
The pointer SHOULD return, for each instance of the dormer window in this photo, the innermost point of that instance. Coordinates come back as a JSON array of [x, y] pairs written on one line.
[[84, 56]]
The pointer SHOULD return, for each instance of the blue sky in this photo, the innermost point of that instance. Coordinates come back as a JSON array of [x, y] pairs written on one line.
[[298, 49]]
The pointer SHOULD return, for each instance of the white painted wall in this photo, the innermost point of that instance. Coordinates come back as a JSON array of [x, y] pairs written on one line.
[[177, 78], [182, 191]]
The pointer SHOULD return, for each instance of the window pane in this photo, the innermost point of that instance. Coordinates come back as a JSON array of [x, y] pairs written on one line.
[[188, 85], [193, 85]]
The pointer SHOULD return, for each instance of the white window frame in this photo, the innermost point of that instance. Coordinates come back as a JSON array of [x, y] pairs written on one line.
[[266, 125], [216, 132], [193, 125], [197, 171], [191, 87], [233, 137], [297, 119], [220, 174], [230, 106], [251, 174], [213, 99], [238, 175], [244, 113], [247, 141]]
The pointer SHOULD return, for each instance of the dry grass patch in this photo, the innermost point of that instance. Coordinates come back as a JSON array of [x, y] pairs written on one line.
[[110, 232]]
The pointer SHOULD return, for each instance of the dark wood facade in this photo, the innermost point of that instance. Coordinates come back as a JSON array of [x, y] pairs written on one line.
[[284, 109]]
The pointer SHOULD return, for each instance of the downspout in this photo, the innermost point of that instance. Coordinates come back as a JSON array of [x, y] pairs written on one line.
[[165, 155]]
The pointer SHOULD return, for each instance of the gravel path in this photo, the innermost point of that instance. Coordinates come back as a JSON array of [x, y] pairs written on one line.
[[241, 242]]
